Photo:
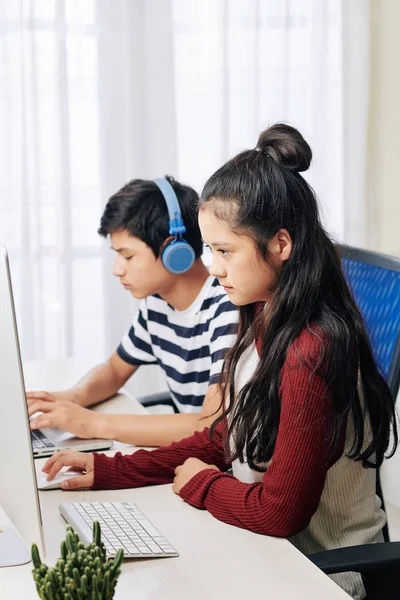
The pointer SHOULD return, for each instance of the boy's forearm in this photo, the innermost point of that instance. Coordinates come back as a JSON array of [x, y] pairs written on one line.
[[98, 384], [148, 430]]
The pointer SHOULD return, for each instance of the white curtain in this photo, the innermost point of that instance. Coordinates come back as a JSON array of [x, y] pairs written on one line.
[[94, 93]]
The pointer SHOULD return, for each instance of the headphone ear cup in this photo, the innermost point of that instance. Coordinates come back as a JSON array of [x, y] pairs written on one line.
[[178, 256]]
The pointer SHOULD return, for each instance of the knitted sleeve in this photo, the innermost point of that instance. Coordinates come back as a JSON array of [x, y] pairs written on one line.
[[152, 467], [289, 494]]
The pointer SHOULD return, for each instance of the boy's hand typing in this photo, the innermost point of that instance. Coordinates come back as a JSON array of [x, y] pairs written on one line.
[[67, 416], [35, 398], [76, 460], [189, 469]]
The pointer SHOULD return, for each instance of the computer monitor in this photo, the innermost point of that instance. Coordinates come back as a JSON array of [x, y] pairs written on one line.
[[18, 489]]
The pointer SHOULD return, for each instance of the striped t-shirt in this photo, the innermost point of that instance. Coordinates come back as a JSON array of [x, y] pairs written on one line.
[[188, 345]]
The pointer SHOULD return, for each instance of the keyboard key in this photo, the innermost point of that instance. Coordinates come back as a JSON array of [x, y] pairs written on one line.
[[149, 527]]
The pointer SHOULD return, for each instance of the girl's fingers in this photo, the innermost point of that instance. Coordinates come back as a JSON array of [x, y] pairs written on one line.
[[75, 469], [48, 464], [59, 457], [78, 482]]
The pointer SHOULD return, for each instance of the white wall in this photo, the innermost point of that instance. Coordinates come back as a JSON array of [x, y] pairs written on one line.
[[384, 161], [384, 131]]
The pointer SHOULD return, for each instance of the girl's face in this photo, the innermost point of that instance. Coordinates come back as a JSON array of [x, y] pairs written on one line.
[[237, 264]]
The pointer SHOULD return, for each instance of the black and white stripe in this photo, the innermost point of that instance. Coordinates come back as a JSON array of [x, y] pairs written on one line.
[[188, 345]]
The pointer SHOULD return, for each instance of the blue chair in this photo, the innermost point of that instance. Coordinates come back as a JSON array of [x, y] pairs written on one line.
[[374, 280]]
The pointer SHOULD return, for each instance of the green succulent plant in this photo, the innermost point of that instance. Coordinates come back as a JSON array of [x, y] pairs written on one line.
[[82, 572]]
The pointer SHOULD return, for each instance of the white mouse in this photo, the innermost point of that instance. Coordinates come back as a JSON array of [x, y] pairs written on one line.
[[55, 483]]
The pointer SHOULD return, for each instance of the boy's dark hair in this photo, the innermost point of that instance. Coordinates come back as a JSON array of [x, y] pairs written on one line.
[[140, 209]]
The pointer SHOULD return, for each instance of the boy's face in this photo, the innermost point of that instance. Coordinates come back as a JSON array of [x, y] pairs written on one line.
[[138, 269]]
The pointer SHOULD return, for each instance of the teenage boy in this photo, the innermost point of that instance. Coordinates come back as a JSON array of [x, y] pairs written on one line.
[[185, 322]]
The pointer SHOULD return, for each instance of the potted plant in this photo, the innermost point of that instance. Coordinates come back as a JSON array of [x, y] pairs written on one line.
[[82, 572]]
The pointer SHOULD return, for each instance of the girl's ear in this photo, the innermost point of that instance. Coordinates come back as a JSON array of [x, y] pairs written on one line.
[[281, 245]]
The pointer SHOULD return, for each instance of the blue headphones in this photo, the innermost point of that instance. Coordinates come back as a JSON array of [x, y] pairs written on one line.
[[178, 256]]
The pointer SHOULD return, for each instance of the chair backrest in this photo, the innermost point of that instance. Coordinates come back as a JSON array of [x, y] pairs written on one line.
[[378, 564], [375, 283]]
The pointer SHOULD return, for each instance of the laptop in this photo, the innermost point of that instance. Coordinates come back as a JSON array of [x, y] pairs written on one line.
[[48, 440]]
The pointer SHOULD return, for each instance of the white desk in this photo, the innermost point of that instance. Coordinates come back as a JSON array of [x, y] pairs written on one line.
[[216, 561]]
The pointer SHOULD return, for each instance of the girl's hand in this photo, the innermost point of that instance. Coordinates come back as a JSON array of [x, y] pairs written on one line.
[[189, 469], [79, 461]]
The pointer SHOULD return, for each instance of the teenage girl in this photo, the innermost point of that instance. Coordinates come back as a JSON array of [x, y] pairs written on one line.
[[307, 415]]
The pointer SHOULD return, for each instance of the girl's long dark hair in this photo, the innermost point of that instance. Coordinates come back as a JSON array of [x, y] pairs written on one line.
[[260, 192]]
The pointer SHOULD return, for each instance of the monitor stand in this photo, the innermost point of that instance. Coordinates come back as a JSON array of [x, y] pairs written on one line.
[[13, 551]]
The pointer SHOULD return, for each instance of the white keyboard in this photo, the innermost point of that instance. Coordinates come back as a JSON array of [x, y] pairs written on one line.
[[123, 525]]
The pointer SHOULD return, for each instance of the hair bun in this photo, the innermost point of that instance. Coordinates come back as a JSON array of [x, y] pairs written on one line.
[[286, 146]]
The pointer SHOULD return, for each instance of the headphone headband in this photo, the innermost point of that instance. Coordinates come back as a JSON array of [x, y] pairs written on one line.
[[176, 225], [178, 256]]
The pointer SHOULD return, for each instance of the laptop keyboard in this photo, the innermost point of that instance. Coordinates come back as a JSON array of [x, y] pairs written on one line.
[[39, 440], [123, 525]]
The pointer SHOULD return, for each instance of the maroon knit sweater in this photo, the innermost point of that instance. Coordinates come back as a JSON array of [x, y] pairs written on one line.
[[288, 496]]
